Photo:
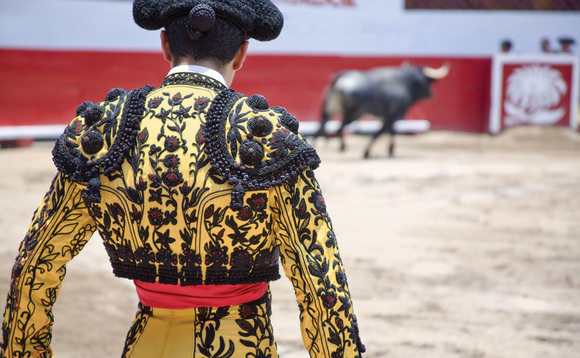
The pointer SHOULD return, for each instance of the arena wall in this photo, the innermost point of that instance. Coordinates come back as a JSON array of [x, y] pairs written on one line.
[[56, 82], [56, 54]]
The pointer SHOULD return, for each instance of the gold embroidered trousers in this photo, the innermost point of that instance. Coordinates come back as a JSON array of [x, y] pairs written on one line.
[[232, 331]]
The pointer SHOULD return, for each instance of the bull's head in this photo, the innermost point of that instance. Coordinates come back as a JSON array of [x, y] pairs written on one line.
[[434, 74]]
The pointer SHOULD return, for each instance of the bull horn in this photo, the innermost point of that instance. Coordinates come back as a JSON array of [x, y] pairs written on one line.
[[436, 73]]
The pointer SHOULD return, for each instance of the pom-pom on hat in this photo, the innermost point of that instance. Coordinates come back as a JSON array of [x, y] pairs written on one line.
[[259, 19]]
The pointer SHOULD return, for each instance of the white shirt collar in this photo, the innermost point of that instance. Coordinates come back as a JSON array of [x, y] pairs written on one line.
[[201, 70]]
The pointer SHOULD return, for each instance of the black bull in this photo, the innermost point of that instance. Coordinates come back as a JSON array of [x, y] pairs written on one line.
[[384, 92]]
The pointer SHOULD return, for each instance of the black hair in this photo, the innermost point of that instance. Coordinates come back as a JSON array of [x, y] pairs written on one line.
[[506, 45], [220, 43]]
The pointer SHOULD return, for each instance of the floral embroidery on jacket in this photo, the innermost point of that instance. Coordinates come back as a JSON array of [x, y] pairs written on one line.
[[187, 184]]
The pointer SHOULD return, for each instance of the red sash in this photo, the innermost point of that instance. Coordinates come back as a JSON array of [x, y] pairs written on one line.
[[180, 297]]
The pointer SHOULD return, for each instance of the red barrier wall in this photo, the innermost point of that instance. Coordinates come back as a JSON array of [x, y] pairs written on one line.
[[45, 87]]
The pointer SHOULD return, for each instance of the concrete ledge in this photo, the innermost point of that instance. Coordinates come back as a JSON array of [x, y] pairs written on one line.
[[11, 133], [53, 131], [406, 126]]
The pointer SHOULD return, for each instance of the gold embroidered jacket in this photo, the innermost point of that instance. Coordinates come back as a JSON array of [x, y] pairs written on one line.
[[190, 183]]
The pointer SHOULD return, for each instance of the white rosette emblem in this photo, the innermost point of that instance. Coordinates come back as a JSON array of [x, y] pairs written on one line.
[[532, 93]]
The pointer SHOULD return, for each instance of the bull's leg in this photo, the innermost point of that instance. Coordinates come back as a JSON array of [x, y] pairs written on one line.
[[373, 138], [324, 116], [368, 150], [391, 129], [392, 143], [386, 127], [348, 117], [321, 131], [340, 133]]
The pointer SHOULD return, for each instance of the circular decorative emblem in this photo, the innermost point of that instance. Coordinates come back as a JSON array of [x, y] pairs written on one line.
[[260, 126], [258, 102], [290, 122], [114, 94], [83, 107], [93, 113], [251, 152], [92, 142]]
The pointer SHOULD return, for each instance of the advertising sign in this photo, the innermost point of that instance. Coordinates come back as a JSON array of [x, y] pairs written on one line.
[[534, 90]]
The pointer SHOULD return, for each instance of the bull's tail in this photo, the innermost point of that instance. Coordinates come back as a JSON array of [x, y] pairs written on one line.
[[331, 104]]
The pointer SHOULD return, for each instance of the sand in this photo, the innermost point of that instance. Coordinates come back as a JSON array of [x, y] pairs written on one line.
[[463, 245]]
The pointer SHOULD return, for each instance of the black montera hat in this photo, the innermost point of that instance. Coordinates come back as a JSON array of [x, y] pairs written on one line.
[[259, 19]]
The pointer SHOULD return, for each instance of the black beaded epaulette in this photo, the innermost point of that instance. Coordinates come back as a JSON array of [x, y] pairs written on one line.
[[261, 149], [72, 162]]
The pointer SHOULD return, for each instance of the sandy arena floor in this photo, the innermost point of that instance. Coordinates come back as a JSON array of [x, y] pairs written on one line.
[[463, 245]]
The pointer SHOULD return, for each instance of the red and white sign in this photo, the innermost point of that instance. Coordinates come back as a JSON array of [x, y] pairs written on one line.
[[534, 90]]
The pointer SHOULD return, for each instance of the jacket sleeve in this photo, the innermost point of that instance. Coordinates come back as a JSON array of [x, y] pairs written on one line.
[[311, 261], [60, 228]]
